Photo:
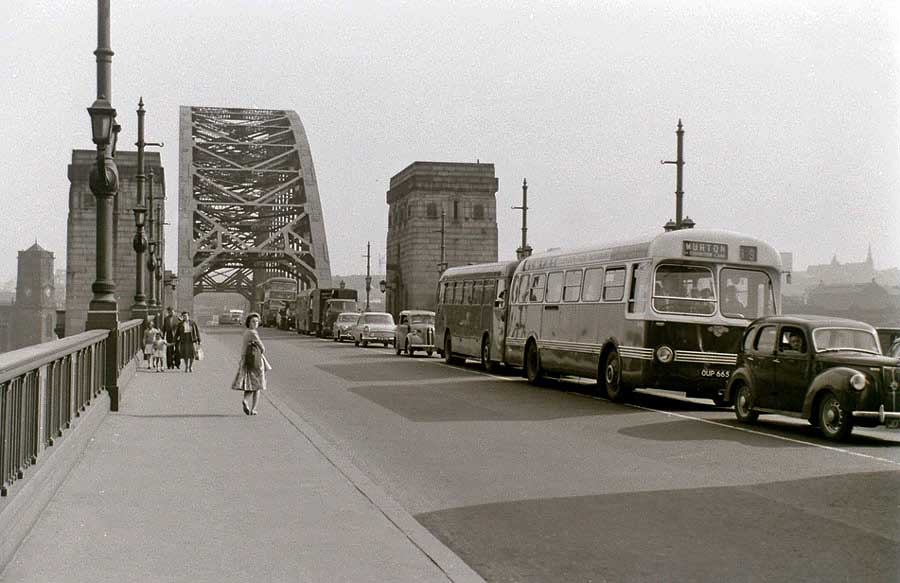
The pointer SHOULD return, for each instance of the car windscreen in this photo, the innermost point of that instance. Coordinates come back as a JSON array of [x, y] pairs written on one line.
[[834, 338], [385, 319], [746, 293], [684, 289], [421, 319], [348, 318]]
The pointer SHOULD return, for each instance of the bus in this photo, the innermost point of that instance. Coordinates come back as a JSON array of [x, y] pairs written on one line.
[[277, 294], [664, 311], [471, 312]]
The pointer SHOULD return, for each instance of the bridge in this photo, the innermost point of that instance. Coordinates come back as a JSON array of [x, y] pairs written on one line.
[[366, 466]]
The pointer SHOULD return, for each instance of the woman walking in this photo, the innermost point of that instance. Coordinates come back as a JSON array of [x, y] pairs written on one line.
[[151, 332], [187, 337], [251, 374]]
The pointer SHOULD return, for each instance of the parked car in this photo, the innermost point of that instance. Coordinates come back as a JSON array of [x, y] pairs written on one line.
[[343, 326], [829, 371], [373, 327], [415, 331]]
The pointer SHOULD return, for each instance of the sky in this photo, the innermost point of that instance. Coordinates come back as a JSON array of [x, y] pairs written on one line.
[[791, 110]]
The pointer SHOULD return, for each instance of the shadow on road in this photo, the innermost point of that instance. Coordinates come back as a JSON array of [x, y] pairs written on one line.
[[804, 530]]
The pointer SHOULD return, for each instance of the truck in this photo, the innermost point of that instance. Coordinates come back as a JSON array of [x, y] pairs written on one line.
[[316, 309]]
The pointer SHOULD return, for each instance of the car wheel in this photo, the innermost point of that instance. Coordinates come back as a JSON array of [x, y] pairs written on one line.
[[616, 390], [364, 343], [533, 370], [834, 422], [743, 404]]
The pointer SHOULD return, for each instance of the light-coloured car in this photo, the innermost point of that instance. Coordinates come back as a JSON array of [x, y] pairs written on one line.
[[415, 331], [343, 326], [374, 327]]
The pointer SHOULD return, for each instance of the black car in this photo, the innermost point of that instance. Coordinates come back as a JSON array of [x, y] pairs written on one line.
[[828, 370]]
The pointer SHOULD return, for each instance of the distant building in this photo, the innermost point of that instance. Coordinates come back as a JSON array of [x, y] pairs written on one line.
[[420, 195], [34, 314], [842, 273]]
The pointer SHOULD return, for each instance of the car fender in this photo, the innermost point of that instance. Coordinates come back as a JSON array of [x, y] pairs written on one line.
[[740, 374], [836, 380]]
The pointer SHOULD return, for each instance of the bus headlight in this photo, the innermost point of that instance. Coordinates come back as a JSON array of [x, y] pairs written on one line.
[[858, 381], [665, 354]]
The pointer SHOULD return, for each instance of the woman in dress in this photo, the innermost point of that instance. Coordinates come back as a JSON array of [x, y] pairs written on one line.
[[150, 334], [187, 337], [251, 373]]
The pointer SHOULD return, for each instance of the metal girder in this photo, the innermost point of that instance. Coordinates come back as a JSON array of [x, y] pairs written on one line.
[[250, 205]]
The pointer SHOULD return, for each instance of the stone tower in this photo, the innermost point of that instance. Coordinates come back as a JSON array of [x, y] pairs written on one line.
[[465, 194], [81, 236], [35, 311]]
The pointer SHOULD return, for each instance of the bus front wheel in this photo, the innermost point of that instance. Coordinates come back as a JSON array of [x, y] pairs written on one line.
[[533, 370], [612, 378], [486, 362], [448, 351]]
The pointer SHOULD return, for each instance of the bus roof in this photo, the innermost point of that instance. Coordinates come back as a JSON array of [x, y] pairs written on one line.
[[480, 269], [696, 244]]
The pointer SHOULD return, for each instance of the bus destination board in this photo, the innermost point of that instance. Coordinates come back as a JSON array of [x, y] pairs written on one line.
[[702, 249]]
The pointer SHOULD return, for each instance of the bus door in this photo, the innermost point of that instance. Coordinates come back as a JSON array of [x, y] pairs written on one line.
[[515, 322], [551, 323], [497, 291]]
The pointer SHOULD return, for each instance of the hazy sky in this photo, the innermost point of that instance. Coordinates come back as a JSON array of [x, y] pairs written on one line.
[[791, 110]]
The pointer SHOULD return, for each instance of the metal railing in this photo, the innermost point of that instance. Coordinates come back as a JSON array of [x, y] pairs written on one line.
[[45, 386]]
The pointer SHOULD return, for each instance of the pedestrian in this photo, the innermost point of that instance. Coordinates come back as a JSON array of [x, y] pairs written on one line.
[[251, 373], [187, 339], [169, 327], [159, 352], [150, 334]]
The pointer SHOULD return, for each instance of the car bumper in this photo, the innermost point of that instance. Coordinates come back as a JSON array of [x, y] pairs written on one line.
[[881, 415], [376, 337]]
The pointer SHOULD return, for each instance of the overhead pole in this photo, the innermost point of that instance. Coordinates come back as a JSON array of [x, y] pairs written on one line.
[[679, 191], [524, 250], [368, 271]]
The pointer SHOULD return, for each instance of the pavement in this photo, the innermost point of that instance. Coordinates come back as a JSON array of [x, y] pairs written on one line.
[[181, 485]]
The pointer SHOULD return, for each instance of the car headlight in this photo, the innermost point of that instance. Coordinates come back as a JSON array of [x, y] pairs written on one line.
[[858, 381], [665, 354], [366, 330]]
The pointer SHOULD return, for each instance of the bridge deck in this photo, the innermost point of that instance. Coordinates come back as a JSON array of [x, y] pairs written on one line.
[[180, 485]]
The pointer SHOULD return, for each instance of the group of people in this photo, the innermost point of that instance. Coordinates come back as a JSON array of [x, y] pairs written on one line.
[[176, 341]]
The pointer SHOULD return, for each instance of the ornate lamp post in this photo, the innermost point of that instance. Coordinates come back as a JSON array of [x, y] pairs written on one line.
[[139, 309], [152, 306], [103, 312]]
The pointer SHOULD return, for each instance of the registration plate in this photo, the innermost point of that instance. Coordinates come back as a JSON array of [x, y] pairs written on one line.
[[717, 373], [892, 423]]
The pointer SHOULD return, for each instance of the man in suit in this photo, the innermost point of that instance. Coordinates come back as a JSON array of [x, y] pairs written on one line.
[[169, 326]]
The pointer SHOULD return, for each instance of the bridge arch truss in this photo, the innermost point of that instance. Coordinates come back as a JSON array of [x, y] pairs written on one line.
[[249, 205]]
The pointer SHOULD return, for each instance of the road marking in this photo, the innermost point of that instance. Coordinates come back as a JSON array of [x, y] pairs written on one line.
[[702, 420]]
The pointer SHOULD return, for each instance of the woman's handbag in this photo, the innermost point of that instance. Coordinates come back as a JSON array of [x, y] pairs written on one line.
[[253, 357], [199, 352]]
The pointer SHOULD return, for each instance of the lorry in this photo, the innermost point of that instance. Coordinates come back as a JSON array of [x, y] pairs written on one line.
[[317, 309]]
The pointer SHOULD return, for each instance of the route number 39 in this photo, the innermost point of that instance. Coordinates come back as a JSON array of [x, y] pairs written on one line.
[[719, 374]]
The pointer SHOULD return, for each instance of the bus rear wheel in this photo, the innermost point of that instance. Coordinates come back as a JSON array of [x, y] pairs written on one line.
[[486, 362], [616, 390], [533, 371]]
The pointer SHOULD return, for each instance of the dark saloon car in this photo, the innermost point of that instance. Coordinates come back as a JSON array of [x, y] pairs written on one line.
[[827, 370]]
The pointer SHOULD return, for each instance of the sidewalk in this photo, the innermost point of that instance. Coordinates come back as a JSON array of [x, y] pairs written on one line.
[[180, 485]]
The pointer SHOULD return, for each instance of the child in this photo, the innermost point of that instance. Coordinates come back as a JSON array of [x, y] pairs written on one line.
[[150, 336], [159, 352]]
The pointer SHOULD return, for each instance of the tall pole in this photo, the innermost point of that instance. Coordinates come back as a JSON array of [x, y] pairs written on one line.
[[159, 260], [151, 258], [442, 265], [103, 311], [139, 310], [524, 251], [679, 164], [368, 273]]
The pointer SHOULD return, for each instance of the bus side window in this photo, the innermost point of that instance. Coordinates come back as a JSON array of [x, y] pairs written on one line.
[[490, 292], [536, 289], [451, 298], [554, 287], [466, 296], [614, 284], [443, 294], [572, 289], [640, 288], [523, 289], [478, 292], [593, 284]]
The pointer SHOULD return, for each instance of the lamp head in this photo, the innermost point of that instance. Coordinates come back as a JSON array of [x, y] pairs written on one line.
[[102, 120], [382, 285], [140, 216]]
